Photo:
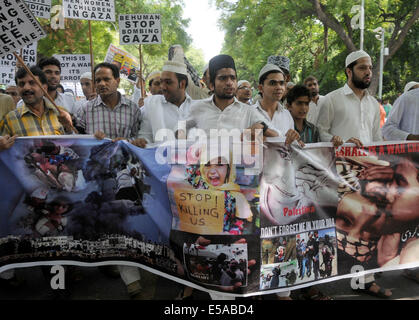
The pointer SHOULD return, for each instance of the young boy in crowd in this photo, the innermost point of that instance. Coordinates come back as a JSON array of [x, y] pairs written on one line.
[[298, 99]]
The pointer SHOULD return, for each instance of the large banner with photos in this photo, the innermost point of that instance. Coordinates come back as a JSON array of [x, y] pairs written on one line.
[[217, 219]]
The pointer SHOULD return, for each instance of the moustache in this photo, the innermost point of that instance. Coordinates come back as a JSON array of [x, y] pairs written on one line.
[[28, 93]]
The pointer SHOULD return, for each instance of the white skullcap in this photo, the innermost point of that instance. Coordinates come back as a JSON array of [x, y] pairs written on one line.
[[410, 85], [241, 82], [86, 75], [267, 68], [353, 56], [175, 66], [153, 74], [40, 193]]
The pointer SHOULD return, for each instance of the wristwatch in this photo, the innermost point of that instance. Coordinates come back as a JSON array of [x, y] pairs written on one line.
[[265, 127]]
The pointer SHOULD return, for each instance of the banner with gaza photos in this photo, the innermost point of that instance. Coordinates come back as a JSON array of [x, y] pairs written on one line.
[[205, 217]]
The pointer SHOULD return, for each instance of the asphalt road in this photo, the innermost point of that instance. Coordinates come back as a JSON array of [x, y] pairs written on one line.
[[94, 285]]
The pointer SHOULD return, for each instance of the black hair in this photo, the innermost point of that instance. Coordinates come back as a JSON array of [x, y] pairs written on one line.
[[36, 71], [181, 77], [350, 66], [114, 68], [48, 62], [310, 78], [296, 92], [265, 75]]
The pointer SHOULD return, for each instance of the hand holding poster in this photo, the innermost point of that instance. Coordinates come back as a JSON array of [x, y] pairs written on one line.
[[139, 29], [100, 10], [18, 27]]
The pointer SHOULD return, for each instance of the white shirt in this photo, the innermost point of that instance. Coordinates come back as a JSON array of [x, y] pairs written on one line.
[[313, 111], [343, 114], [158, 113], [282, 120], [205, 115], [136, 96], [403, 118], [65, 100]]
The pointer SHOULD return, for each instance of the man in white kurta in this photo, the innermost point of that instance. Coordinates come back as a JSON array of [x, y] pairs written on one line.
[[161, 113], [351, 112], [403, 121]]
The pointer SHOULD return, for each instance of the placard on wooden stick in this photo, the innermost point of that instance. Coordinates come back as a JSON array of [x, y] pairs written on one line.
[[139, 29], [18, 27], [99, 10]]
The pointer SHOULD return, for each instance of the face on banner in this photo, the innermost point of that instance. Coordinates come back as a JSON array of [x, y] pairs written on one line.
[[126, 63], [378, 195]]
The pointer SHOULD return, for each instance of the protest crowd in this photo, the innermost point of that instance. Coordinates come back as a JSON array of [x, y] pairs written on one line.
[[274, 107]]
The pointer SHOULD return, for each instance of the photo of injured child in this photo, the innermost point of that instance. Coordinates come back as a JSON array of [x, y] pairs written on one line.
[[218, 265], [377, 220], [207, 199]]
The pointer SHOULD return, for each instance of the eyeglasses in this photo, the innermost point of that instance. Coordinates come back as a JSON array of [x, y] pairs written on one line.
[[245, 88]]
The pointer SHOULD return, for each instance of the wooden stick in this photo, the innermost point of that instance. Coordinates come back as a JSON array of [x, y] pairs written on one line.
[[40, 85], [141, 73], [91, 58]]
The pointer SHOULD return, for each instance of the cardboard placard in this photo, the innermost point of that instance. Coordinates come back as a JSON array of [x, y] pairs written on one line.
[[99, 10], [73, 66], [40, 8], [139, 29], [200, 211], [18, 27], [8, 63]]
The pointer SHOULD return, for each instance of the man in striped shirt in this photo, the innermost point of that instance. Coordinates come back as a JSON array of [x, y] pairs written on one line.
[[36, 116], [110, 114]]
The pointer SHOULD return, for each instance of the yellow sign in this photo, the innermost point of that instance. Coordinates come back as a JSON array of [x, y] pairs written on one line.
[[200, 211]]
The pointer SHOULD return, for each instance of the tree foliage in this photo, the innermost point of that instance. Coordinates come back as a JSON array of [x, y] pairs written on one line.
[[74, 38], [317, 36]]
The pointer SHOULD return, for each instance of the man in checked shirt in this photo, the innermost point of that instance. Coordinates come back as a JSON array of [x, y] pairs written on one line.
[[110, 114], [113, 116]]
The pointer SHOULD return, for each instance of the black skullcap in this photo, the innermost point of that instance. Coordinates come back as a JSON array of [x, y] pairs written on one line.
[[219, 62]]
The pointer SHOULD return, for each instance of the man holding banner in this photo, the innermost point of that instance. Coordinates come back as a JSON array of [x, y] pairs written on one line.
[[36, 116], [353, 114]]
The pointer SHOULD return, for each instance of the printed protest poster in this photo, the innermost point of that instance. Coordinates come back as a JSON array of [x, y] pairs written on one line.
[[218, 265], [18, 26], [377, 220], [214, 196], [40, 8], [298, 198], [100, 10], [139, 29], [126, 62], [8, 63], [73, 66]]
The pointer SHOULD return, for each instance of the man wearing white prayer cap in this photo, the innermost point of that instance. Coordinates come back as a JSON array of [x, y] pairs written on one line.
[[410, 86], [162, 112], [350, 114], [244, 91]]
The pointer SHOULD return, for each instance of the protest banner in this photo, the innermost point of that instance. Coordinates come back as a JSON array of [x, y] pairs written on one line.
[[73, 66], [139, 29], [8, 63], [18, 26], [99, 10], [40, 8], [127, 63], [317, 214]]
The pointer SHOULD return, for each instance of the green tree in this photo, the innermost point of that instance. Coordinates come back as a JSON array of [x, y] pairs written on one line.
[[317, 36]]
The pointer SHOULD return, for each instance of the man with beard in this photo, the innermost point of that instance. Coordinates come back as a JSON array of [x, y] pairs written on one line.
[[162, 112], [353, 115], [351, 112], [222, 110], [52, 69], [313, 85]]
